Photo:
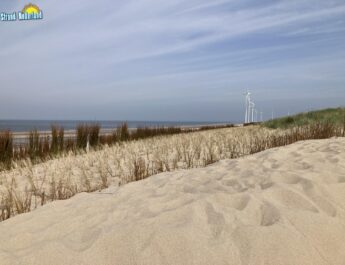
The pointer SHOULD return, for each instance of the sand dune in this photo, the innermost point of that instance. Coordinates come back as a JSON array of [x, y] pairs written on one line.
[[281, 206]]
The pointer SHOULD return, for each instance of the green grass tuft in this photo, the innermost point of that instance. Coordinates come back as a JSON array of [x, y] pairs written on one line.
[[335, 116]]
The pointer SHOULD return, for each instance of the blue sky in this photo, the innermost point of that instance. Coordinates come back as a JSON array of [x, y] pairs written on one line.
[[171, 60]]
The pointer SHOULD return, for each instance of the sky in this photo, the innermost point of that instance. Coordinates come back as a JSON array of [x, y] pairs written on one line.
[[176, 60]]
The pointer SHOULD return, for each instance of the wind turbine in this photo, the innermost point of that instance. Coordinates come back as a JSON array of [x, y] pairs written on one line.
[[252, 106], [256, 115], [247, 105], [261, 119]]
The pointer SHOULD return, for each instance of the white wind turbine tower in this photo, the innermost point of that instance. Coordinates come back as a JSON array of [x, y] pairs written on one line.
[[256, 115], [252, 106], [247, 105]]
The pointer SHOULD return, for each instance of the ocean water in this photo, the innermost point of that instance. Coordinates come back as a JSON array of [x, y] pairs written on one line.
[[45, 125]]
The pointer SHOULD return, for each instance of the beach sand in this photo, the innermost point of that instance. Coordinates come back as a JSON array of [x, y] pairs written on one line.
[[281, 206]]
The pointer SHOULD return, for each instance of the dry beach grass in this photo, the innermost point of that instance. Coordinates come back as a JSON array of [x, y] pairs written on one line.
[[29, 186]]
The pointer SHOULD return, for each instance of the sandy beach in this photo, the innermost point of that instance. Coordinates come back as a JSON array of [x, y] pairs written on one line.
[[281, 206]]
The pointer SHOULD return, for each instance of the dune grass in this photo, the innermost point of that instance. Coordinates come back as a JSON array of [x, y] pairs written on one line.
[[29, 186], [331, 115], [6, 149], [41, 148]]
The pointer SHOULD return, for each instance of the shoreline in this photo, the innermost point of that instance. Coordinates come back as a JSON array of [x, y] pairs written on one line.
[[22, 137], [20, 126]]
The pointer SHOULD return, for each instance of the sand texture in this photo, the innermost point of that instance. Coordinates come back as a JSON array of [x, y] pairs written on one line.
[[281, 206]]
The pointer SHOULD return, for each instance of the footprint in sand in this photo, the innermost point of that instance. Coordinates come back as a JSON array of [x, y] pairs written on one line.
[[266, 185], [304, 165], [289, 179], [293, 200], [235, 184], [333, 160], [215, 220], [295, 154], [247, 174], [269, 214], [341, 179], [275, 165], [239, 202], [323, 204]]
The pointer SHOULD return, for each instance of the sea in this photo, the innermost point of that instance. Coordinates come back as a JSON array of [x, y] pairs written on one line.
[[45, 125]]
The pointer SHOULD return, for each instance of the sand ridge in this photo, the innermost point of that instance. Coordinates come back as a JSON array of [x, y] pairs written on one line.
[[282, 206]]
